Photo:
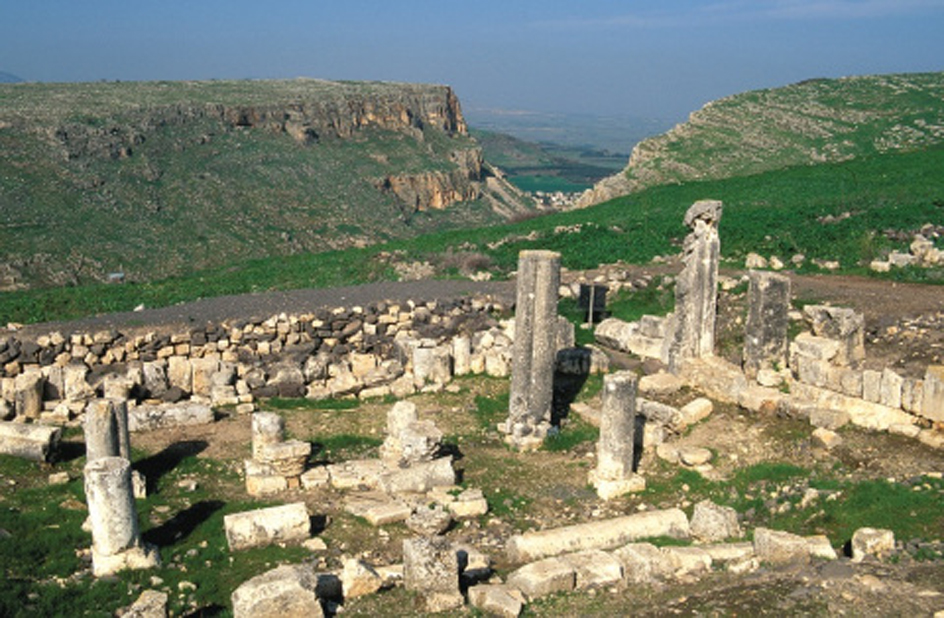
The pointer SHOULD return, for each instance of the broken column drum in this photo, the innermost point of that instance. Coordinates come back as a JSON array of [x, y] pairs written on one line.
[[106, 430], [535, 345], [614, 474], [765, 333], [116, 537], [696, 288], [267, 428]]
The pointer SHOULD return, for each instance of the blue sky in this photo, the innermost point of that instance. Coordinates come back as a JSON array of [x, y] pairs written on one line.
[[658, 59]]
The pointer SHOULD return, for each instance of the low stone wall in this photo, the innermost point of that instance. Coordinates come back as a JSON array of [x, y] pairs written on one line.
[[369, 351]]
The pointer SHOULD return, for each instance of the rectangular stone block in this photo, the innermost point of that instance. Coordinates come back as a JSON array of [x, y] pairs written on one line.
[[890, 394], [912, 392], [872, 385], [932, 400], [544, 577], [278, 524], [148, 417]]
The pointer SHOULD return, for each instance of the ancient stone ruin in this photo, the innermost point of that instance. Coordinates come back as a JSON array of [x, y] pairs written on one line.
[[535, 349], [155, 382]]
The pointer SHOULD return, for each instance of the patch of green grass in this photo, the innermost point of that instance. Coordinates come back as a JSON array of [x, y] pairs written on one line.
[[489, 411], [506, 503], [630, 305], [279, 403], [576, 431], [345, 446]]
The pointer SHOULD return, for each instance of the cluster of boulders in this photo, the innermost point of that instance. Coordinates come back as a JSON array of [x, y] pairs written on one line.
[[922, 252]]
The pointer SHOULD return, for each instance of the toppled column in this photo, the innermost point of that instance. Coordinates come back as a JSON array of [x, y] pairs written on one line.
[[33, 441], [614, 474], [765, 334], [116, 538], [535, 348], [696, 288]]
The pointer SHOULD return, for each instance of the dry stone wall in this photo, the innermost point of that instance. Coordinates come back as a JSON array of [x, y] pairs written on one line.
[[383, 349]]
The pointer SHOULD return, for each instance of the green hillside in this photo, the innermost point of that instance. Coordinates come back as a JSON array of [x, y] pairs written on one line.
[[875, 204], [812, 122], [155, 179]]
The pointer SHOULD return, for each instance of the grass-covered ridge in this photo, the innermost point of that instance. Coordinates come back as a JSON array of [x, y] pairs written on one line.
[[781, 212], [812, 122]]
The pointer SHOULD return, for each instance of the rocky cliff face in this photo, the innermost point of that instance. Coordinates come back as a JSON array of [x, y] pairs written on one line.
[[815, 121]]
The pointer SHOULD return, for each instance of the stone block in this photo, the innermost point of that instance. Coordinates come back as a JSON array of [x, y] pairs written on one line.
[[28, 394], [278, 524], [497, 600], [726, 553], [544, 577], [862, 413], [932, 437], [912, 393], [603, 534], [806, 345], [687, 562], [712, 522], [315, 477], [288, 590], [420, 477], [693, 412], [660, 384], [890, 389], [594, 569], [828, 419], [875, 542], [779, 548], [359, 579], [643, 563], [148, 417], [356, 473], [872, 386], [431, 567], [262, 480], [429, 520], [842, 324], [820, 547], [850, 382], [149, 604], [932, 399], [825, 438], [377, 508]]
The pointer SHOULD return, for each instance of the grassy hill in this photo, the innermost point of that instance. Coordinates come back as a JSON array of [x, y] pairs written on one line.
[[155, 179], [812, 122], [852, 212]]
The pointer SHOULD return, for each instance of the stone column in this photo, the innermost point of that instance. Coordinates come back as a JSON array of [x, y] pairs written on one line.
[[614, 474], [101, 431], [116, 538], [765, 333], [267, 428], [696, 288], [535, 348]]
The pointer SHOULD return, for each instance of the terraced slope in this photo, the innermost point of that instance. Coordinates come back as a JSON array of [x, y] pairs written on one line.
[[815, 121]]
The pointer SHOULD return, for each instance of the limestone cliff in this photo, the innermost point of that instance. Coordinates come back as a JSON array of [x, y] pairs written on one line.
[[816, 121]]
